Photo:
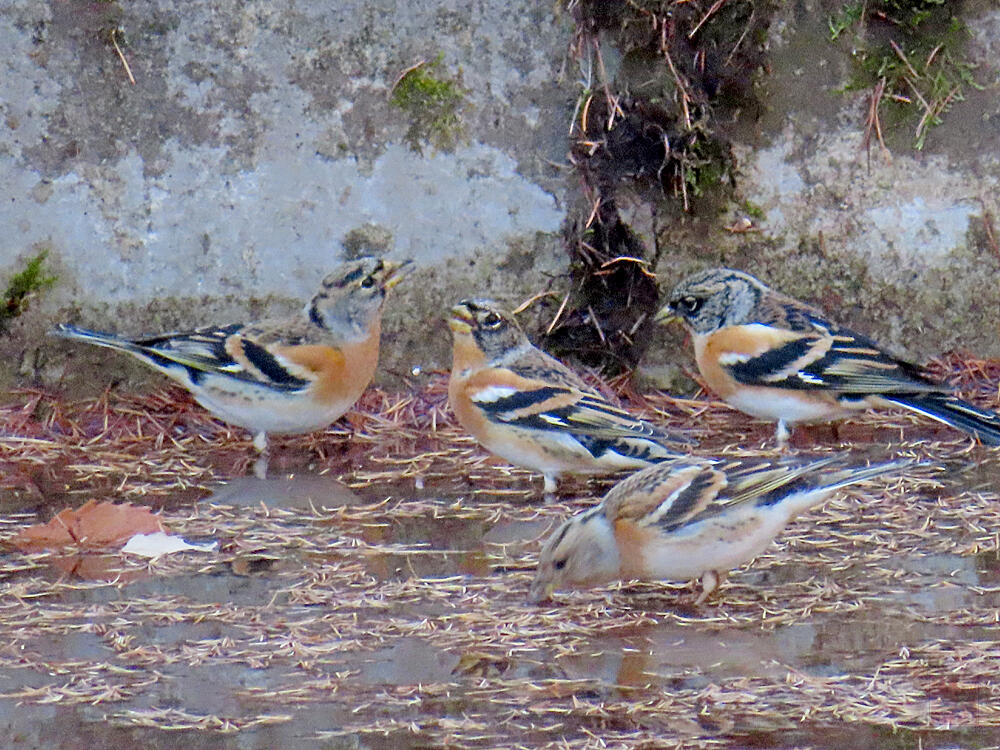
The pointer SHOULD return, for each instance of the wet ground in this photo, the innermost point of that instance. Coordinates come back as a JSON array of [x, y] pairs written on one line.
[[375, 598]]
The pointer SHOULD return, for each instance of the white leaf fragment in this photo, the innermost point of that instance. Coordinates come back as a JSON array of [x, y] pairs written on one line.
[[158, 543]]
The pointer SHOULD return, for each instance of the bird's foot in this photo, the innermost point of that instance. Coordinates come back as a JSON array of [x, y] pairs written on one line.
[[549, 488], [260, 465], [782, 435], [710, 582], [260, 442]]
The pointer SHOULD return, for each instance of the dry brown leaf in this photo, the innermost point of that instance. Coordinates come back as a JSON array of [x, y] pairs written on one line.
[[96, 567], [93, 525]]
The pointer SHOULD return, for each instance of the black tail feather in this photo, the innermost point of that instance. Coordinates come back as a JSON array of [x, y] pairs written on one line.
[[982, 424]]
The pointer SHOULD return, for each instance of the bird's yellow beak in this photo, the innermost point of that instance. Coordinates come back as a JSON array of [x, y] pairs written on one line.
[[393, 272], [666, 315], [541, 591], [460, 320]]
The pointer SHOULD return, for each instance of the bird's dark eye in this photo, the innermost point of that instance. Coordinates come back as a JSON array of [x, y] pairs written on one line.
[[559, 564], [368, 283], [690, 305], [491, 320]]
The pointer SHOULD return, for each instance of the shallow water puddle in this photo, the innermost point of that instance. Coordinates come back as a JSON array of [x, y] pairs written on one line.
[[374, 614]]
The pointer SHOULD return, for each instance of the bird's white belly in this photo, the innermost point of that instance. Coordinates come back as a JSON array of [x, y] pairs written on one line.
[[710, 545], [554, 452], [775, 405], [551, 453], [276, 416], [261, 410]]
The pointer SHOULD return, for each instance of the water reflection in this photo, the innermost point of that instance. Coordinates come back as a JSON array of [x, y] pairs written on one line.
[[949, 581], [979, 472], [428, 537], [301, 491], [409, 661], [665, 654]]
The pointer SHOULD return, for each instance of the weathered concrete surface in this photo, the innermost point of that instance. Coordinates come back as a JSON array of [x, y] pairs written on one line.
[[259, 138], [896, 246]]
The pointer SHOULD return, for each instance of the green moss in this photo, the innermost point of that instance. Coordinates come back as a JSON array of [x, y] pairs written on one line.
[[23, 286], [845, 18], [433, 103], [753, 210], [707, 164], [910, 54]]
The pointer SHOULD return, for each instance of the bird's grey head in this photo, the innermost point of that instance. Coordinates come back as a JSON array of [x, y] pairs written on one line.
[[581, 552], [351, 296], [494, 330], [713, 299]]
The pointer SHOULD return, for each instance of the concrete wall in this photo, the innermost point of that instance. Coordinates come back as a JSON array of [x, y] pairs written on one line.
[[256, 138], [259, 137]]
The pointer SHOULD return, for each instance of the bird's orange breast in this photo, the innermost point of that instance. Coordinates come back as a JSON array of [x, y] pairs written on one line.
[[712, 350], [632, 541], [466, 355], [468, 360], [339, 373]]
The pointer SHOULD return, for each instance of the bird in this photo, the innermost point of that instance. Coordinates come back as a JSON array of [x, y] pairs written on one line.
[[532, 410], [776, 358], [287, 375], [690, 518]]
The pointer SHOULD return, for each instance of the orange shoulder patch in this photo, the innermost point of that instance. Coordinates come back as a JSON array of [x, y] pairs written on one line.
[[723, 347], [466, 355], [632, 539], [316, 358]]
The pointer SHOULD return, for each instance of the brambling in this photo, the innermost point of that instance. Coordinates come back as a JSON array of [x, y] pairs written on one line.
[[689, 518], [776, 358], [532, 410], [290, 375]]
